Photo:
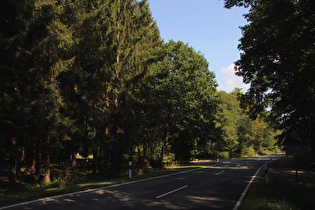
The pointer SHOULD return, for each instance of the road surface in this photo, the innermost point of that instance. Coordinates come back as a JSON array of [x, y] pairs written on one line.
[[214, 187]]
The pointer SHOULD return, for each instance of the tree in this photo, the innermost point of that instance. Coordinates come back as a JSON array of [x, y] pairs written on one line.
[[34, 55], [119, 41], [15, 110], [242, 136], [228, 118], [186, 91], [49, 41], [278, 60]]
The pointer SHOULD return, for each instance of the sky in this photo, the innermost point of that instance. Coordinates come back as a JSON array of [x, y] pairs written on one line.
[[207, 27]]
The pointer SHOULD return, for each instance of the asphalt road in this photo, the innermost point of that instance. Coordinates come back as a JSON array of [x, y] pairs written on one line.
[[214, 187]]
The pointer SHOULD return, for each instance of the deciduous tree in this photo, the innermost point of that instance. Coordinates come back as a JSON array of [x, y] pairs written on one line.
[[277, 59]]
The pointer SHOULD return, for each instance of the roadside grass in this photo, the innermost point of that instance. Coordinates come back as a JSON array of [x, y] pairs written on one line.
[[281, 192], [21, 192]]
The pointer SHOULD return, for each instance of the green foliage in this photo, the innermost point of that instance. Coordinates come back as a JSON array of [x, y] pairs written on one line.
[[278, 61], [231, 3], [95, 78], [242, 136], [186, 90]]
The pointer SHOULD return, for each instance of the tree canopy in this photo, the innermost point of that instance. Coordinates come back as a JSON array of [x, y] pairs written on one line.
[[241, 135], [93, 79], [186, 88], [277, 59]]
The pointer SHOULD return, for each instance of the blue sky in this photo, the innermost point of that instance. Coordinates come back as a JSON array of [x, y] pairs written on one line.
[[207, 27]]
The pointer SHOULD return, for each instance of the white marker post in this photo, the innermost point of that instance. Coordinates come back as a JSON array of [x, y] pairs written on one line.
[[130, 169]]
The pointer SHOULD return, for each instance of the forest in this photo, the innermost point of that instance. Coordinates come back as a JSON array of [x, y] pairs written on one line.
[[92, 83]]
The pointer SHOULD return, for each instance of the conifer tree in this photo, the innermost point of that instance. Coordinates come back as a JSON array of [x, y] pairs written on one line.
[[41, 42], [116, 49], [15, 84]]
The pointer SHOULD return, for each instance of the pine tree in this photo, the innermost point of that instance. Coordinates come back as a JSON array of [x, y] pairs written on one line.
[[15, 84], [115, 51], [48, 40]]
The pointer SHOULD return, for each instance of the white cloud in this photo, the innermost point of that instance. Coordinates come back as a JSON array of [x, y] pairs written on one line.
[[231, 81]]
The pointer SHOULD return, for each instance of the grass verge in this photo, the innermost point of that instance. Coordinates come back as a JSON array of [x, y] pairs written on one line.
[[17, 193], [281, 192]]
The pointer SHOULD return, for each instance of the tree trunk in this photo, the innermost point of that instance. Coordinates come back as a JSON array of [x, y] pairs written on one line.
[[33, 156], [95, 161], [139, 155], [13, 164], [99, 159], [167, 136], [162, 156], [114, 134], [38, 157], [13, 161], [145, 154], [74, 160], [312, 133], [113, 159], [20, 163], [46, 179], [106, 150]]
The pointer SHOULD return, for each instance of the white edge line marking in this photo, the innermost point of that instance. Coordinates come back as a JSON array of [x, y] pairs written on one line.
[[237, 205], [95, 189], [219, 173], [170, 192]]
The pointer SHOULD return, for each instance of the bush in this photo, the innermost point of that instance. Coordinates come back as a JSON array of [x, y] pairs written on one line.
[[249, 152]]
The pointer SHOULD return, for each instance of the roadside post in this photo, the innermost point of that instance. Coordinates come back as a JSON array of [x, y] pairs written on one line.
[[294, 146], [130, 164]]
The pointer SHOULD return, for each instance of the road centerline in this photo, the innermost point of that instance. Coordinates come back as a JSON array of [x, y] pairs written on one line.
[[170, 192], [219, 173]]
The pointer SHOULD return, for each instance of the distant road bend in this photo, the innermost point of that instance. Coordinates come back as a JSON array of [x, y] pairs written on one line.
[[214, 187]]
